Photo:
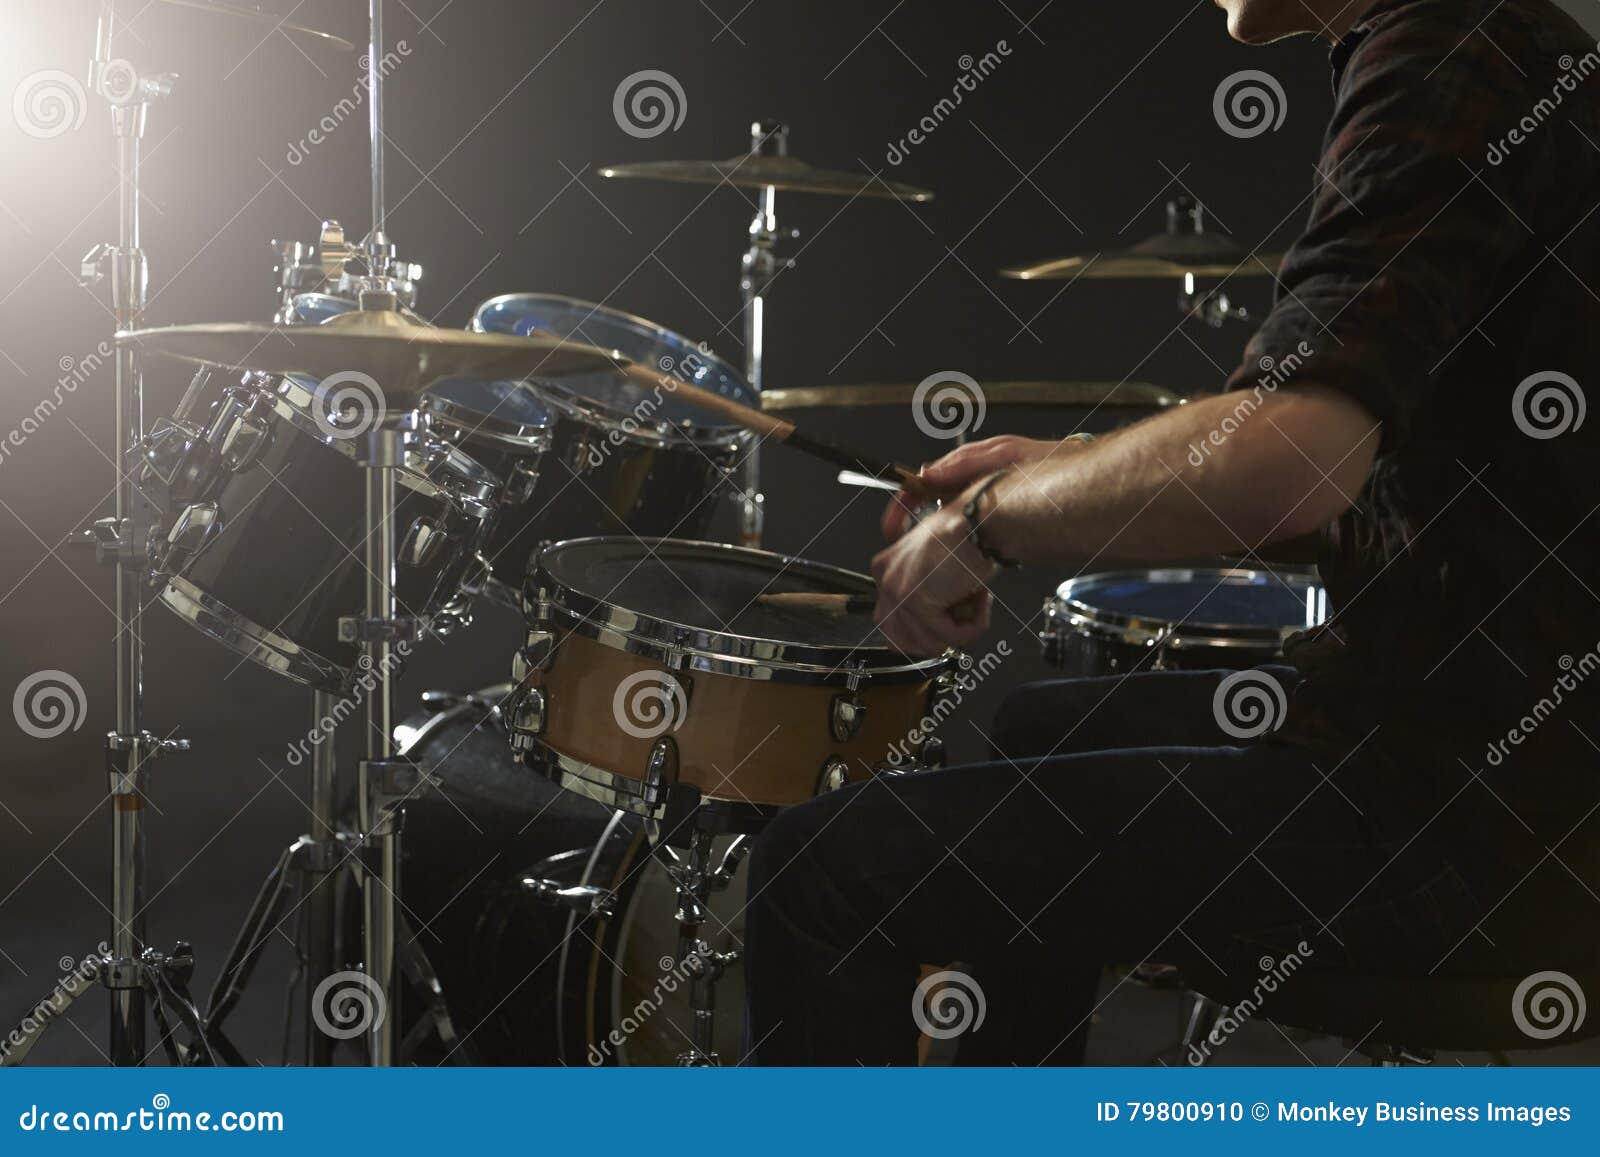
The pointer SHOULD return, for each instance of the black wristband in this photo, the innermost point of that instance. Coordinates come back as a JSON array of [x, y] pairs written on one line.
[[975, 522]]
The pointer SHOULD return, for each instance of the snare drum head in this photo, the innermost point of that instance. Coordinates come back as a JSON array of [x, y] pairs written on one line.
[[507, 403], [643, 341], [710, 588]]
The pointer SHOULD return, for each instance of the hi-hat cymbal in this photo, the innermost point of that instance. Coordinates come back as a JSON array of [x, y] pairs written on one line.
[[752, 171], [1163, 255], [400, 355], [1085, 395], [256, 16]]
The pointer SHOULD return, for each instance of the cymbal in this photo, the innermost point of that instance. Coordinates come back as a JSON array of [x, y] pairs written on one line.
[[256, 16], [751, 171], [1162, 255], [400, 355], [1085, 395]]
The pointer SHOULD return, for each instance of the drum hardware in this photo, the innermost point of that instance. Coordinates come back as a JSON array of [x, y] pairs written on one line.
[[131, 972], [835, 774], [766, 168], [695, 878]]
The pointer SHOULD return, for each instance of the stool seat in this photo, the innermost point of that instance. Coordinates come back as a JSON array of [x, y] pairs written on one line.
[[1452, 1013]]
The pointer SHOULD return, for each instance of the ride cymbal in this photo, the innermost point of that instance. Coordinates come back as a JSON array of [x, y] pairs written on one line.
[[1163, 255], [752, 171]]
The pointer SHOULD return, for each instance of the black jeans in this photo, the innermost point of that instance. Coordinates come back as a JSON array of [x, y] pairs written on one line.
[[1075, 849]]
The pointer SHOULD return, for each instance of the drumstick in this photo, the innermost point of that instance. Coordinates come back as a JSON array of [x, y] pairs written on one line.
[[784, 431]]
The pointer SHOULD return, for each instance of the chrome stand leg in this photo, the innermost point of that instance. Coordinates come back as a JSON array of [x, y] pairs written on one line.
[[321, 859]]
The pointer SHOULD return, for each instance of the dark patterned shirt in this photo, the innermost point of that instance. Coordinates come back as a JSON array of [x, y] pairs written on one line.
[[1447, 281]]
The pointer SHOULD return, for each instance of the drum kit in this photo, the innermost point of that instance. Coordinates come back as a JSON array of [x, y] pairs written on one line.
[[346, 481]]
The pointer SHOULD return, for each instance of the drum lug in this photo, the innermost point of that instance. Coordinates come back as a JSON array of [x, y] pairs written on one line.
[[422, 542], [661, 769], [527, 718], [197, 525], [835, 774], [534, 657], [846, 716], [932, 755], [246, 435], [520, 486]]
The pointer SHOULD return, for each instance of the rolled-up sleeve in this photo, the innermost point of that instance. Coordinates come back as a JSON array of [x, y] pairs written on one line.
[[1413, 228]]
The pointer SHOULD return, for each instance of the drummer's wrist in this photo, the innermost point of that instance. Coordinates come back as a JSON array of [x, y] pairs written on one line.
[[984, 523]]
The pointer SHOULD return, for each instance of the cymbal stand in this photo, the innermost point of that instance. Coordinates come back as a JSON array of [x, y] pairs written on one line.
[[758, 267], [132, 972], [696, 876]]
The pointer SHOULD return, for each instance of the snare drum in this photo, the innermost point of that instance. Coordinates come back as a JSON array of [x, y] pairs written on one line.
[[264, 553], [652, 665], [596, 453], [1178, 619]]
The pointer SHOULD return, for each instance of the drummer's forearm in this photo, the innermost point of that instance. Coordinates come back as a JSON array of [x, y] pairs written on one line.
[[1200, 479]]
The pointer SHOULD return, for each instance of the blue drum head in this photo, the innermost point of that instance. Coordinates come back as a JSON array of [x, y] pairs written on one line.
[[644, 342], [1203, 598]]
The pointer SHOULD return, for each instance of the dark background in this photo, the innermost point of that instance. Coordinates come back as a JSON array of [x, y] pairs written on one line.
[[498, 117]]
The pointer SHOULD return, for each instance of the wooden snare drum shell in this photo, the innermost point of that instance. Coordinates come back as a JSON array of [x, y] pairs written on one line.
[[745, 740]]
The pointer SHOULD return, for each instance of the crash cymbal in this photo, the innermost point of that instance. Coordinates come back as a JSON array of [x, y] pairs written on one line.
[[401, 356], [755, 172], [1163, 255], [1086, 395], [256, 16]]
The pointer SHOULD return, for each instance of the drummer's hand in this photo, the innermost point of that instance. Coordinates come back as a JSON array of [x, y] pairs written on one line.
[[931, 592], [965, 465]]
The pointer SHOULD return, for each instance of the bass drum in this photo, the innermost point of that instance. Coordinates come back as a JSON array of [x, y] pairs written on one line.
[[529, 981]]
